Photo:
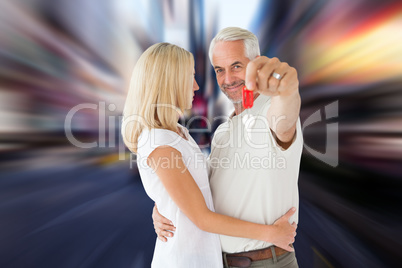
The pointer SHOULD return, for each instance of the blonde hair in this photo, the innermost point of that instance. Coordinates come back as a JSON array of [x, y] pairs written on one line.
[[250, 41], [159, 91]]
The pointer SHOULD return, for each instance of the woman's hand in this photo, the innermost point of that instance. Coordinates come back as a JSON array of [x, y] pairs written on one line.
[[283, 232], [185, 193]]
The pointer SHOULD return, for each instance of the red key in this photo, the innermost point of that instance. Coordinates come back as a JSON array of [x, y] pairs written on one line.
[[248, 98]]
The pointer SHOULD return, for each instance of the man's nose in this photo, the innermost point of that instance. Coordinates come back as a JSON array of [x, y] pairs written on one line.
[[229, 78]]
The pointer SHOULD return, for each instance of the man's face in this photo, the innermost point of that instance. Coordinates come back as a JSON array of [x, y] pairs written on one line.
[[230, 65]]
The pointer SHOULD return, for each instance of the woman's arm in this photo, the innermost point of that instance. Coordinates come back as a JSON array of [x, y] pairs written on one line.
[[184, 191]]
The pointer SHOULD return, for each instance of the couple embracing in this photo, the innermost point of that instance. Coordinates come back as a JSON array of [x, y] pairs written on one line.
[[217, 216]]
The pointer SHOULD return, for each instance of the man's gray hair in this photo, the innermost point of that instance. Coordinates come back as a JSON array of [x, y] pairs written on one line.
[[251, 46]]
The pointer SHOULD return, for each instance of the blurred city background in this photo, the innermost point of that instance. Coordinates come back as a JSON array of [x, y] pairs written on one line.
[[70, 194]]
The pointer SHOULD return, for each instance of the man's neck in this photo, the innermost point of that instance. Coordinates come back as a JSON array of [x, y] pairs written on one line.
[[238, 108]]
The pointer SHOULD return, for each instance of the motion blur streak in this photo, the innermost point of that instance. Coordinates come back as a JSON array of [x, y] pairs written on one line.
[[70, 194]]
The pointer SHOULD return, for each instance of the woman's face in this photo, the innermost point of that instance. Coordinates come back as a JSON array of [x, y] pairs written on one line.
[[191, 95]]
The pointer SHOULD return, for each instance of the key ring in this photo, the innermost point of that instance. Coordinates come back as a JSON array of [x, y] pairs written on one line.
[[248, 98]]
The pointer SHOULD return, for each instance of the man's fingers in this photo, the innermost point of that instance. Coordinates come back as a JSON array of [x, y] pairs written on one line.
[[252, 71], [264, 82], [273, 83], [159, 219], [163, 220], [163, 239], [289, 82], [259, 77], [155, 209], [163, 226], [165, 234], [162, 235], [259, 74]]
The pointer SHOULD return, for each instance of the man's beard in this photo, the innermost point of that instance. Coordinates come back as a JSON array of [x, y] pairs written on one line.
[[234, 84]]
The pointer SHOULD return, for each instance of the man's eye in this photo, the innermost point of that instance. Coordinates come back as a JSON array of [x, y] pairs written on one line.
[[218, 71], [237, 66]]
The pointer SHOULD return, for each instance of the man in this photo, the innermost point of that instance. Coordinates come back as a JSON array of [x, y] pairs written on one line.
[[255, 156]]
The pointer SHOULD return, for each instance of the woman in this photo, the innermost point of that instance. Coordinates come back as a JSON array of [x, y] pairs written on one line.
[[172, 167]]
